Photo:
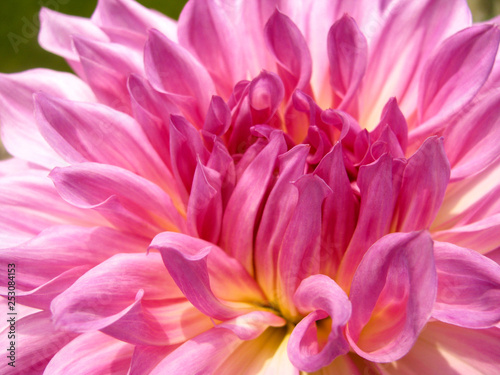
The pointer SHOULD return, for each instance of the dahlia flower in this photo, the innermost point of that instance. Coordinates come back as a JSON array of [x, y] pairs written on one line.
[[263, 187]]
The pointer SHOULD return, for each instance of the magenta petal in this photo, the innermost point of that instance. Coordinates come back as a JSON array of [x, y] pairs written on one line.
[[340, 210], [265, 94], [218, 118], [300, 254], [202, 270], [446, 86], [392, 295], [204, 211], [183, 76], [424, 184], [468, 287], [130, 202], [289, 47], [322, 295], [243, 206], [394, 118], [276, 216], [348, 55]]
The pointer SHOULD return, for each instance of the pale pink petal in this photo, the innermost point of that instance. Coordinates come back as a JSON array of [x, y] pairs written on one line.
[[347, 54], [243, 206], [107, 67], [392, 295], [130, 202], [128, 15], [482, 236], [470, 141], [19, 132], [214, 346], [445, 86], [289, 47], [300, 253], [453, 350], [405, 33], [56, 31], [183, 77], [33, 350], [80, 132], [425, 180], [43, 260], [92, 353], [340, 210], [321, 297], [23, 214], [202, 270], [265, 355], [13, 166], [206, 31], [468, 287], [276, 216]]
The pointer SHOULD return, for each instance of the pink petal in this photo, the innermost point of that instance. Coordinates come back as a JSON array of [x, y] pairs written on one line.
[[392, 295], [394, 118], [56, 31], [128, 15], [340, 210], [80, 132], [58, 249], [218, 118], [130, 297], [445, 86], [92, 353], [130, 202], [146, 358], [243, 206], [423, 188], [205, 30], [23, 214], [375, 182], [265, 94], [276, 217], [152, 111], [348, 54], [468, 287], [19, 133], [204, 211], [106, 67], [186, 147], [39, 340], [215, 345], [289, 47], [202, 270], [183, 77], [300, 254], [324, 298]]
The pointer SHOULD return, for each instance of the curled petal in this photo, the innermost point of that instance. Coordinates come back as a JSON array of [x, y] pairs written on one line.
[[392, 295], [325, 298]]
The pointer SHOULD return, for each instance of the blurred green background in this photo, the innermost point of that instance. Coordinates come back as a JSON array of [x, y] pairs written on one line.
[[19, 23]]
